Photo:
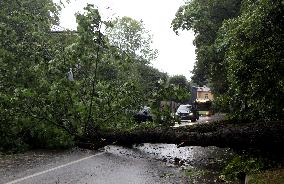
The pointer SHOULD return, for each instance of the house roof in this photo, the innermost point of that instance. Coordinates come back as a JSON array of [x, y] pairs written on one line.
[[204, 88]]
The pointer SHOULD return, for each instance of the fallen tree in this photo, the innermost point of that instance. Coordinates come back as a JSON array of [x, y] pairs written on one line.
[[263, 135]]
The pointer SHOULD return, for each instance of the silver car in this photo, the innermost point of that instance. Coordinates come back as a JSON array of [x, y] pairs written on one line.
[[186, 112]]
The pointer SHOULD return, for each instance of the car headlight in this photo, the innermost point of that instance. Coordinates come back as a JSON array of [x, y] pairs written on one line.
[[191, 114]]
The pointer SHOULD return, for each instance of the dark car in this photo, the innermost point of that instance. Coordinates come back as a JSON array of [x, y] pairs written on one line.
[[187, 112], [143, 115]]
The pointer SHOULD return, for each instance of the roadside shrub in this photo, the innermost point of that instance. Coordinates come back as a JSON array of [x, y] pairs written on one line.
[[239, 166], [21, 136], [48, 136]]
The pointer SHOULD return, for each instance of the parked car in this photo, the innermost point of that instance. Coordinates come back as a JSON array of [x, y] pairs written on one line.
[[143, 115], [187, 112]]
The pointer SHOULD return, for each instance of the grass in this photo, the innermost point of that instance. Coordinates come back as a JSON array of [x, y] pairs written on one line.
[[267, 177]]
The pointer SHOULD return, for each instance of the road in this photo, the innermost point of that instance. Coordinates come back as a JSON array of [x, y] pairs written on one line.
[[142, 164], [202, 119], [82, 166]]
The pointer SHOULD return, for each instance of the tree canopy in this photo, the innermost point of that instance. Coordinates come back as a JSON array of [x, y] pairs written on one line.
[[238, 47], [131, 36], [205, 18], [253, 44], [179, 80], [58, 87]]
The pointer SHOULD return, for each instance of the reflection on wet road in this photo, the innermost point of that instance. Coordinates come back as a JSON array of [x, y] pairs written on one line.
[[147, 163]]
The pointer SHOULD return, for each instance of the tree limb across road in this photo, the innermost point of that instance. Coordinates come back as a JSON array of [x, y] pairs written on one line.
[[220, 133]]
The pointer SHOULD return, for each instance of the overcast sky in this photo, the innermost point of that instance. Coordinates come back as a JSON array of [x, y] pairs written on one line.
[[176, 53]]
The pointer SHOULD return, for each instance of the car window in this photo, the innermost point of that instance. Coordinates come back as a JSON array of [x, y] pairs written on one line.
[[184, 108]]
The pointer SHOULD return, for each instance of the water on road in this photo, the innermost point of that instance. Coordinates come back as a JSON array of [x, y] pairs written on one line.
[[142, 164]]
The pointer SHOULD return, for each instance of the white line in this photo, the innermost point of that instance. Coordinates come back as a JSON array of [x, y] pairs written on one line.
[[52, 169]]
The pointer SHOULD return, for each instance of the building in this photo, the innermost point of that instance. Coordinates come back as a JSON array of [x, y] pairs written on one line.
[[202, 98], [201, 94], [204, 93]]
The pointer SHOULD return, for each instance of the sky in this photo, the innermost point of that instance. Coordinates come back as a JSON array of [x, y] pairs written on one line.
[[176, 53]]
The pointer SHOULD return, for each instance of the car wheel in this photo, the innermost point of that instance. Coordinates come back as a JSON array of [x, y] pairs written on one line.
[[193, 120]]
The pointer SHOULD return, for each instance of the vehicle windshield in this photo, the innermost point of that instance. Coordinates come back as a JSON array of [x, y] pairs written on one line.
[[184, 108]]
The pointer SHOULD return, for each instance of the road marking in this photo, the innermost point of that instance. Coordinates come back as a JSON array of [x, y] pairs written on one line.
[[52, 169]]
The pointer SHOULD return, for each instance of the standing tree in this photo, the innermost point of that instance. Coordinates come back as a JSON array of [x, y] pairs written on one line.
[[205, 17], [253, 43], [131, 36], [239, 52], [135, 44], [180, 81]]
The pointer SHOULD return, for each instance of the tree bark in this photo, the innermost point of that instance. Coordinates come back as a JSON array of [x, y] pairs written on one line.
[[222, 134]]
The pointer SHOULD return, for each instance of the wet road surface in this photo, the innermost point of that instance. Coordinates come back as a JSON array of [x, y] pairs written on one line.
[[202, 119], [143, 164]]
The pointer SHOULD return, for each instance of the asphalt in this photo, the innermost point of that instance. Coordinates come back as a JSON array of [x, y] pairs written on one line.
[[81, 166], [141, 164]]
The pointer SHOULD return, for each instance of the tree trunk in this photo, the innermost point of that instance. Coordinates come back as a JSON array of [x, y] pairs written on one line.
[[222, 134]]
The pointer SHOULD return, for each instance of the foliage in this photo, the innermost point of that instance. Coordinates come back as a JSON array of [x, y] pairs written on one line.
[[103, 91], [241, 165], [24, 52], [150, 78], [271, 176], [131, 36], [239, 51], [167, 93], [253, 44], [62, 86], [205, 18], [221, 103], [180, 81], [195, 174]]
